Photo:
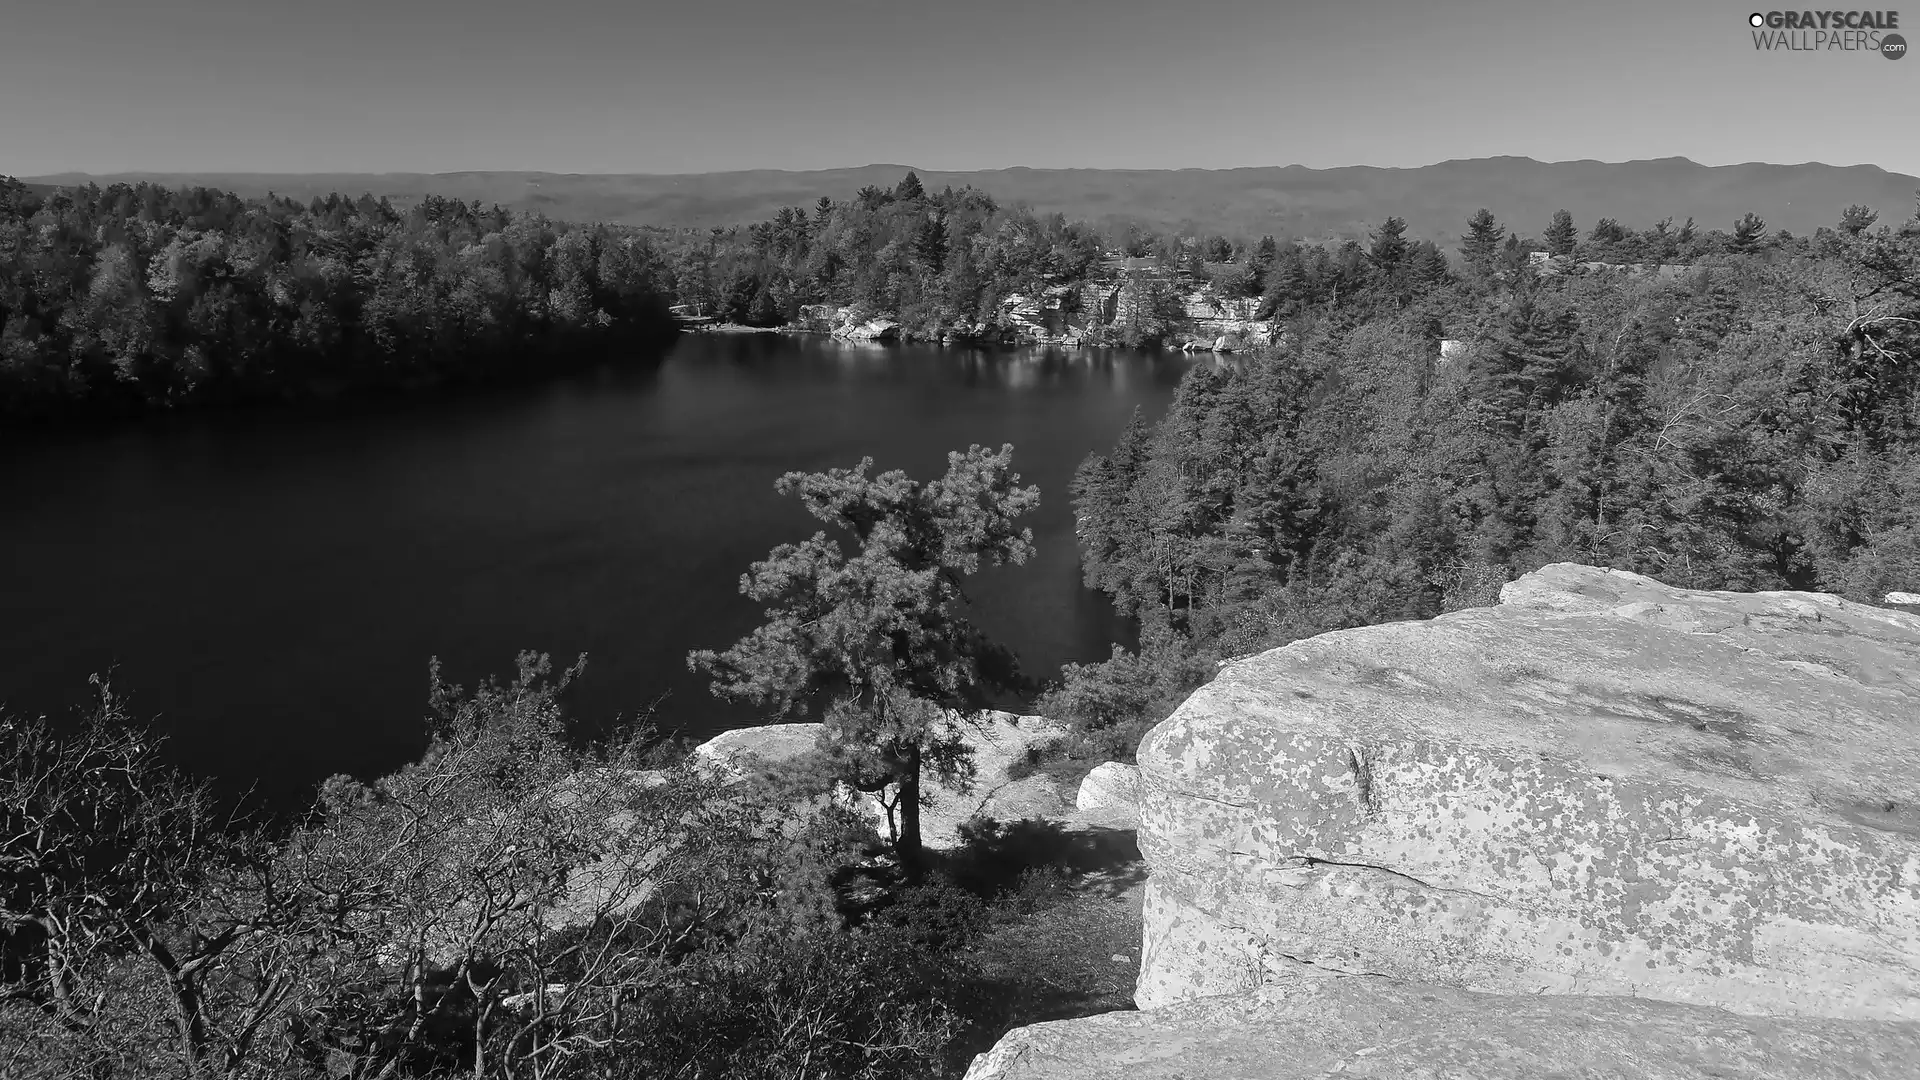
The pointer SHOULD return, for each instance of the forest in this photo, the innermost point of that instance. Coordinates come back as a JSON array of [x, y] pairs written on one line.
[[138, 298], [1731, 409], [948, 260]]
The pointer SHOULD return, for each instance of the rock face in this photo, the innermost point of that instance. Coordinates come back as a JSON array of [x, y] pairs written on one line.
[[1360, 1027], [1603, 786], [1111, 790]]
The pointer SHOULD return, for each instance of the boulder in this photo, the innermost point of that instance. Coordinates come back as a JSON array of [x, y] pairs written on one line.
[[1906, 598], [1111, 790], [1309, 1028], [1602, 786]]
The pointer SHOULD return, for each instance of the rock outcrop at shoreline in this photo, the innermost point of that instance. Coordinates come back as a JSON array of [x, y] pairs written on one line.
[[869, 330], [1092, 313], [1603, 787]]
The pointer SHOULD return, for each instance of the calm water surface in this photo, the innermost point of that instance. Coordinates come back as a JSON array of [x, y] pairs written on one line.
[[271, 587]]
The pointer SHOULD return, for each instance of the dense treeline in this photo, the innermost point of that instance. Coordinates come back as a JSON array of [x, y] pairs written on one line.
[[933, 260], [946, 262], [139, 297], [1749, 422]]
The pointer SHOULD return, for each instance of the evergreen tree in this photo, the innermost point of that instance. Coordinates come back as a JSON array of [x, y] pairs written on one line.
[[1658, 243], [1387, 256], [1480, 247], [875, 643], [930, 245], [1260, 265], [1561, 236], [1427, 264], [1857, 219], [1387, 247]]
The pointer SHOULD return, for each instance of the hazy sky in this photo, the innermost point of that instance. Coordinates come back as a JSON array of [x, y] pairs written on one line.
[[644, 86]]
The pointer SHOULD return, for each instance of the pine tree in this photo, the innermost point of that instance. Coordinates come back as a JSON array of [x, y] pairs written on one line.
[[1260, 265], [1387, 255], [1427, 264], [875, 642], [909, 189], [930, 243], [1561, 236], [1388, 248], [1481, 245], [1857, 219]]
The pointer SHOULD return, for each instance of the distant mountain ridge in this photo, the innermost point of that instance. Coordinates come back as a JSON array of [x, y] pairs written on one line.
[[1285, 201]]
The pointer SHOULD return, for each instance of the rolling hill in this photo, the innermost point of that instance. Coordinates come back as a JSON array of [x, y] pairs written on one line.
[[1290, 201]]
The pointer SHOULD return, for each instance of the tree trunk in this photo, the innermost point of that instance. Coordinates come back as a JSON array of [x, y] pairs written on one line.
[[908, 848]]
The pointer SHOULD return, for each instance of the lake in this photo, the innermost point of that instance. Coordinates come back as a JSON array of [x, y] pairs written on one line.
[[271, 585]]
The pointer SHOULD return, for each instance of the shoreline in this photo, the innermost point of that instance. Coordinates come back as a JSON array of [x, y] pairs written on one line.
[[740, 328], [1189, 347]]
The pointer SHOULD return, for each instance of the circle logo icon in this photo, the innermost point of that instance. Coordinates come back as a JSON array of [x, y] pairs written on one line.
[[1893, 46], [1756, 19]]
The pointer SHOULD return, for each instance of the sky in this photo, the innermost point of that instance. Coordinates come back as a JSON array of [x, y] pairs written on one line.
[[598, 86]]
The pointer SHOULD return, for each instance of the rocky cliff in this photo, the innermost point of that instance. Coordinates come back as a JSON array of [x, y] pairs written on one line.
[[1603, 787]]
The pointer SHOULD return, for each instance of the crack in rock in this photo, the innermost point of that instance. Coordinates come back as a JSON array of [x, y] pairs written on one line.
[[1313, 860], [1362, 779], [1329, 968], [1297, 863]]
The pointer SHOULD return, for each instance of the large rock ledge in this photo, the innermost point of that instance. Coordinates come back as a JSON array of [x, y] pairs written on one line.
[[1359, 1027], [1603, 786], [1600, 786], [1606, 828]]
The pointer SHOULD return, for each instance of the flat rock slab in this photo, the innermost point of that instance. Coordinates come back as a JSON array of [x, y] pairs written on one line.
[[740, 749], [1362, 1027], [998, 740], [1603, 786]]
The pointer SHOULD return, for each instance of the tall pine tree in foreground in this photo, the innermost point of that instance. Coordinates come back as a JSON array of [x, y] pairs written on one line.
[[874, 641]]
